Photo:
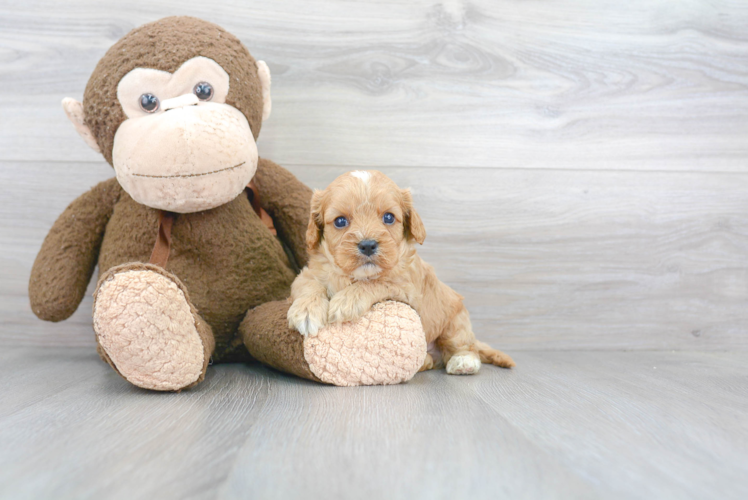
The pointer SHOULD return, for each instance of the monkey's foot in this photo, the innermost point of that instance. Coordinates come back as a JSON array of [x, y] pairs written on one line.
[[148, 330]]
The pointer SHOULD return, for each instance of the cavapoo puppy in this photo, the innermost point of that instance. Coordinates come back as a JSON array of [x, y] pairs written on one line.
[[361, 240]]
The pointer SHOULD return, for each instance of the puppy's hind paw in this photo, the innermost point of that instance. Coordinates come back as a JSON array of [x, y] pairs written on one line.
[[307, 319], [463, 364]]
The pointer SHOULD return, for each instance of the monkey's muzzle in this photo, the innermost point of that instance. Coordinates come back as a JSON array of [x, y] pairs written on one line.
[[193, 157]]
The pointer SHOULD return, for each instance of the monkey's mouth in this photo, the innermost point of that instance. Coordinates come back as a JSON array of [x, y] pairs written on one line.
[[180, 176]]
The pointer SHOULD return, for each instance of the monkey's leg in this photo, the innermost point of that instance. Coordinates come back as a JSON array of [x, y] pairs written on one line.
[[148, 330], [386, 346], [269, 339]]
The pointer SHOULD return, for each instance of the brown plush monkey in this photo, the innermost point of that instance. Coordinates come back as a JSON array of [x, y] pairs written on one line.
[[184, 258]]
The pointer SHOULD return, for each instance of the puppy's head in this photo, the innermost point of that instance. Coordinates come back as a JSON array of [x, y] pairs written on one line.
[[363, 222]]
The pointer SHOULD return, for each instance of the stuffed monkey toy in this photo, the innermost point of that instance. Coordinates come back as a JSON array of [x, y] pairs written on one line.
[[197, 240]]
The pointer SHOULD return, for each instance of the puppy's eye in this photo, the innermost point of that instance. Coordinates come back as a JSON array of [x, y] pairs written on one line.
[[203, 91], [388, 218], [341, 222], [149, 103]]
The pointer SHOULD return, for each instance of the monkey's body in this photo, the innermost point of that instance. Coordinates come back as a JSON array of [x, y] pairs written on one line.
[[225, 257]]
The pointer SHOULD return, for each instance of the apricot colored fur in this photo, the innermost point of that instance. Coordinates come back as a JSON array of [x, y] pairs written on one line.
[[340, 283]]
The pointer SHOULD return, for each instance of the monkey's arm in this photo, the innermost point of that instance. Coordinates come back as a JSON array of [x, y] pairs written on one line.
[[286, 199], [68, 256]]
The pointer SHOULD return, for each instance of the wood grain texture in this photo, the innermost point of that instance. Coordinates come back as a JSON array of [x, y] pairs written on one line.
[[561, 425], [581, 84], [545, 259], [542, 141]]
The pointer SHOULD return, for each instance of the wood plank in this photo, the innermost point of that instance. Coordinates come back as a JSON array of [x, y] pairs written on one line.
[[642, 425], [545, 259], [430, 438], [628, 425], [580, 84], [73, 437], [561, 425]]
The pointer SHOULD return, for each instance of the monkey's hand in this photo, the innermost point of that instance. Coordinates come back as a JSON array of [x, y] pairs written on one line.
[[355, 300], [68, 256]]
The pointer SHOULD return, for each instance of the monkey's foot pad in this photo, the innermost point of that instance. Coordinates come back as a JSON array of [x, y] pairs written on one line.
[[145, 324], [385, 346]]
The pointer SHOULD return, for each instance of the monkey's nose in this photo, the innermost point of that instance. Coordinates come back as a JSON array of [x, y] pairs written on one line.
[[179, 102], [368, 247]]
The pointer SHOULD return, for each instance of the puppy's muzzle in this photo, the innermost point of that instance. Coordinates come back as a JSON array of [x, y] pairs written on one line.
[[368, 247]]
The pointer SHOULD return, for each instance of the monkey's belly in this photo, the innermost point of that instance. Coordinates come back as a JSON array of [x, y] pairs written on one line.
[[228, 261]]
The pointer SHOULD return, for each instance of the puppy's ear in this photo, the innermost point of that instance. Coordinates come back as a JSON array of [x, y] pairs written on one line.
[[414, 228], [316, 222]]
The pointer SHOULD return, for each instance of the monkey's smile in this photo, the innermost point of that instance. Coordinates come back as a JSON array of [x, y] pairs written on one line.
[[189, 175]]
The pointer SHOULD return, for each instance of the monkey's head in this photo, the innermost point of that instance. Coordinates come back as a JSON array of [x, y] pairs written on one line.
[[175, 107]]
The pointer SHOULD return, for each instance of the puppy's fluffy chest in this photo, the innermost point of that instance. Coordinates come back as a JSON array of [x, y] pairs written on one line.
[[409, 276]]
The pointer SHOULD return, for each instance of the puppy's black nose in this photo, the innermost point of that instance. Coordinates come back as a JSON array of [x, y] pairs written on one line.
[[368, 247]]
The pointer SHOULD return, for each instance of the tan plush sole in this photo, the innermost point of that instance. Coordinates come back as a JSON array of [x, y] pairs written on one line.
[[385, 346], [144, 324]]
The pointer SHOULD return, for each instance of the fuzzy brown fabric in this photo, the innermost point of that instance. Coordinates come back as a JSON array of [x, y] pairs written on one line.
[[67, 259], [287, 201], [269, 340], [164, 45]]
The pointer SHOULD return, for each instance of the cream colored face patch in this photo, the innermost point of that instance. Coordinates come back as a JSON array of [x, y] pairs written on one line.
[[182, 148], [187, 159], [164, 85]]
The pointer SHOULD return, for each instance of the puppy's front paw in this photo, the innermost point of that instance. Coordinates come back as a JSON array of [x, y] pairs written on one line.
[[308, 315], [346, 307], [467, 363]]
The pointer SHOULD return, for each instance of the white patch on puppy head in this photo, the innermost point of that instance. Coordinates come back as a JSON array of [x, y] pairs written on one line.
[[362, 174]]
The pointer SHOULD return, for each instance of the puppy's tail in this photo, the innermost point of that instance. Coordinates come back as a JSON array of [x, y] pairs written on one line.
[[493, 356]]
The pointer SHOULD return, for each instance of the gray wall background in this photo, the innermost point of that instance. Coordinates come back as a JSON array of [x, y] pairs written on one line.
[[581, 166]]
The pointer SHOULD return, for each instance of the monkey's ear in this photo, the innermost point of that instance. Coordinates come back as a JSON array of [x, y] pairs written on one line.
[[74, 110], [264, 73], [414, 228], [316, 221]]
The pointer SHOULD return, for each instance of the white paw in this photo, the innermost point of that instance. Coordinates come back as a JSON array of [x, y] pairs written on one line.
[[307, 317], [463, 364]]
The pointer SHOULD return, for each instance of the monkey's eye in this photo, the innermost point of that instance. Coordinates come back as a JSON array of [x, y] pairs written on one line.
[[388, 218], [149, 103], [340, 222], [203, 91]]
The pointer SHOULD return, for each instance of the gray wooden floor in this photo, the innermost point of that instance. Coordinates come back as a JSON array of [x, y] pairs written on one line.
[[562, 425], [581, 167]]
